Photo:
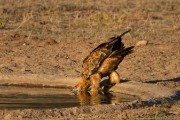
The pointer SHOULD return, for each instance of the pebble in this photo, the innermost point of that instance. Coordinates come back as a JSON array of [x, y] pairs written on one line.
[[141, 43]]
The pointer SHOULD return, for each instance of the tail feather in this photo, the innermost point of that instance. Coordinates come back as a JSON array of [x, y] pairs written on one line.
[[119, 36], [116, 42], [124, 33]]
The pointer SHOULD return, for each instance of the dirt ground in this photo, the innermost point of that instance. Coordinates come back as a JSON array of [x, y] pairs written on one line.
[[54, 36]]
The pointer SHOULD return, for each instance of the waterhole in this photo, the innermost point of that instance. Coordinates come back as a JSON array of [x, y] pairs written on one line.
[[23, 97]]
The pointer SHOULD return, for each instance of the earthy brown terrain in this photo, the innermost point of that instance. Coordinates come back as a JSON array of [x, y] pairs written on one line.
[[52, 37]]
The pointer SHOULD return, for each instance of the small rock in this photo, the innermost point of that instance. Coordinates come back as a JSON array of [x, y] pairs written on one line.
[[50, 42], [25, 44], [142, 42]]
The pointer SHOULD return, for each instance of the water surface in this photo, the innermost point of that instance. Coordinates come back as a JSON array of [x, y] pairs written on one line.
[[23, 97]]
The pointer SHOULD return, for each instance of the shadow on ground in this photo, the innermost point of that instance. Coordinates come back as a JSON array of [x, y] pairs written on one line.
[[168, 83], [170, 80]]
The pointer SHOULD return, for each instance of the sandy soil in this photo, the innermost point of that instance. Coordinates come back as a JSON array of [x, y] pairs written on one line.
[[95, 112], [53, 38]]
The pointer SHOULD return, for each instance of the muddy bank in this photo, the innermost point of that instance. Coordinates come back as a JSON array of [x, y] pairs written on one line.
[[123, 111]]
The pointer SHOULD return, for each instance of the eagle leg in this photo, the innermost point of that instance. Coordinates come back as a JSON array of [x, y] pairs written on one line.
[[114, 78], [95, 81]]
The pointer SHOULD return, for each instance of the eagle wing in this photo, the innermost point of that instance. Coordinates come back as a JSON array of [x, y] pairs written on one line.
[[113, 60], [93, 61]]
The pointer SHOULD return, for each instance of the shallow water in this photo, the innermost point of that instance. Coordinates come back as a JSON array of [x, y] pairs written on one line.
[[23, 97]]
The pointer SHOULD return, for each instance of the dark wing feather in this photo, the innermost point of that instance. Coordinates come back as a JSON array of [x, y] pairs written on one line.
[[119, 55], [122, 52], [119, 45]]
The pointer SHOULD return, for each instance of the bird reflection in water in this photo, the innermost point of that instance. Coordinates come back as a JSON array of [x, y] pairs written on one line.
[[85, 98]]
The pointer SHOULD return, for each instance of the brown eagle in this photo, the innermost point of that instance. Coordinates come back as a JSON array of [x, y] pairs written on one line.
[[101, 62]]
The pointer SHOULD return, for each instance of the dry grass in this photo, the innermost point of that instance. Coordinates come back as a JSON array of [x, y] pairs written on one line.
[[81, 19]]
